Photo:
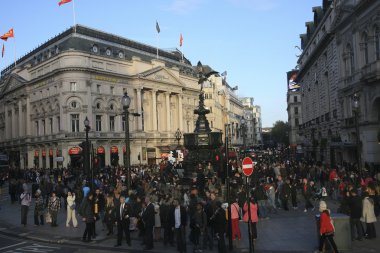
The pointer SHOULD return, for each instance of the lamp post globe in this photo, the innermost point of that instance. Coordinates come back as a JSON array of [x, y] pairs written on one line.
[[126, 101]]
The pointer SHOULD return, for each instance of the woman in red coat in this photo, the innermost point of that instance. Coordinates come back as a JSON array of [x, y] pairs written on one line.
[[254, 217], [326, 229]]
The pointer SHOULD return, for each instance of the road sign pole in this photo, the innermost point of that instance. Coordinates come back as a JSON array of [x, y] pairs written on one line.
[[251, 246]]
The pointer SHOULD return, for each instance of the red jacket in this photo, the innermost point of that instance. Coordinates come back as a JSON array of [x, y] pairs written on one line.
[[326, 225]]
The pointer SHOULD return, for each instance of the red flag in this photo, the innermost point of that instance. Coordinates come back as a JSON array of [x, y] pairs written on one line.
[[2, 52], [180, 40], [64, 2], [9, 34]]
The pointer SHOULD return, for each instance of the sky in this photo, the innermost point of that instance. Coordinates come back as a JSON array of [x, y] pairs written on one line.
[[253, 40]]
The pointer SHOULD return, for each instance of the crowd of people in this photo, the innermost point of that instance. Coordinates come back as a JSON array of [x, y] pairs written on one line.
[[159, 207]]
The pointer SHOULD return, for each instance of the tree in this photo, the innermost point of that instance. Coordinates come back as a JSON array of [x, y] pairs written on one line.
[[280, 133]]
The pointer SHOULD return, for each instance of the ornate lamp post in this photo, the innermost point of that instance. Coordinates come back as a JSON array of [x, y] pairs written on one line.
[[178, 135], [87, 153], [356, 109], [126, 101]]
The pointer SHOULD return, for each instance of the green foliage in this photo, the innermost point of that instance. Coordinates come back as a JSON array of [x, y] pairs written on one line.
[[280, 132]]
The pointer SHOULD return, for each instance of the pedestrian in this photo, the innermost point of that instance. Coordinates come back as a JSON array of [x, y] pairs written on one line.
[[99, 205], [157, 220], [355, 204], [235, 217], [110, 214], [71, 216], [178, 221], [25, 200], [198, 225], [293, 193], [39, 209], [254, 217], [123, 212], [368, 214], [148, 219], [54, 205], [285, 194], [219, 222], [87, 212], [307, 192], [326, 228]]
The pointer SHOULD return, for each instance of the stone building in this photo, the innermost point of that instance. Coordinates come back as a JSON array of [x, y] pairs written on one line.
[[339, 78], [84, 72]]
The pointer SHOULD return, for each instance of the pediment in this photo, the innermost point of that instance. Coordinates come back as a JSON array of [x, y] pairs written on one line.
[[13, 82], [160, 74]]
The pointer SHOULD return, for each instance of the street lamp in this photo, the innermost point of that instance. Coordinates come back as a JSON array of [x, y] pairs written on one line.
[[87, 152], [356, 108], [178, 135], [243, 128], [126, 101]]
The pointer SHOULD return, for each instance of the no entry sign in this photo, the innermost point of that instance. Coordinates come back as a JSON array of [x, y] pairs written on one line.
[[247, 166]]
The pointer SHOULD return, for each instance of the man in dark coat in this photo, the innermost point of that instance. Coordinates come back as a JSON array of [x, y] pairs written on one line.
[[123, 214], [307, 192], [219, 222], [87, 212], [285, 194], [178, 221], [355, 204], [148, 219]]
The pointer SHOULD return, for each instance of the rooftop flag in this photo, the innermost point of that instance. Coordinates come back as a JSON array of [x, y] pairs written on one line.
[[180, 40], [64, 2], [9, 34], [158, 27], [2, 51]]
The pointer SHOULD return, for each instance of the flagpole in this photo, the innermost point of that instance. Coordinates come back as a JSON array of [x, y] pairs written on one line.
[[75, 29], [158, 43]]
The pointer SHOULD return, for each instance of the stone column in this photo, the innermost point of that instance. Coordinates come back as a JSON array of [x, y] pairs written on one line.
[[168, 114], [154, 110], [20, 124], [27, 119], [180, 116], [6, 122], [139, 107], [13, 122]]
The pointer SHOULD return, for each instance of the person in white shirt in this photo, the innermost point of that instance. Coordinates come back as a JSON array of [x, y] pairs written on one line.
[[71, 216], [25, 199]]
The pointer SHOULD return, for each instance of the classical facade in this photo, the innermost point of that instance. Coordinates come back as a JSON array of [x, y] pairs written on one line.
[[250, 121], [340, 87], [256, 112], [83, 72]]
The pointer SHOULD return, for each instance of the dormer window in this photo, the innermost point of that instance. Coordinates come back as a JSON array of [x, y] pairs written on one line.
[[108, 52], [74, 104], [95, 49]]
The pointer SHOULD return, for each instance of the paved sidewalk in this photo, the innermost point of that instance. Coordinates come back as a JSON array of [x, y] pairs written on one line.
[[292, 231]]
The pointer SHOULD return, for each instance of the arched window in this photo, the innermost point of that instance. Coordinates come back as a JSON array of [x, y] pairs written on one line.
[[377, 42], [364, 46], [349, 63]]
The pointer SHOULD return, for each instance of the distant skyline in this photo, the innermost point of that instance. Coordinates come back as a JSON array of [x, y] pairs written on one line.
[[253, 40]]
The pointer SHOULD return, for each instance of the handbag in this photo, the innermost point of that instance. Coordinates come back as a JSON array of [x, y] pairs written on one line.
[[72, 207], [48, 217]]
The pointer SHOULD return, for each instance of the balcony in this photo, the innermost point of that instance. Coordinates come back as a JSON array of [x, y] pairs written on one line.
[[371, 72]]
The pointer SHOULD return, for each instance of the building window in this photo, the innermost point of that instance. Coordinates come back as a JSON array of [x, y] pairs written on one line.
[[98, 123], [43, 127], [98, 106], [365, 48], [295, 99], [59, 124], [51, 125], [296, 122], [73, 86], [212, 124], [74, 122], [98, 88], [349, 63], [111, 90], [296, 110], [377, 42], [73, 104], [112, 123], [37, 128]]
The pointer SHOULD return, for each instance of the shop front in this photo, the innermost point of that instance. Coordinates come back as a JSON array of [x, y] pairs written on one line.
[[76, 159], [51, 164], [36, 158], [44, 158], [114, 156], [101, 154]]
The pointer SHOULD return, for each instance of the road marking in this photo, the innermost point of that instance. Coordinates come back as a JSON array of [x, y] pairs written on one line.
[[11, 246], [33, 248]]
